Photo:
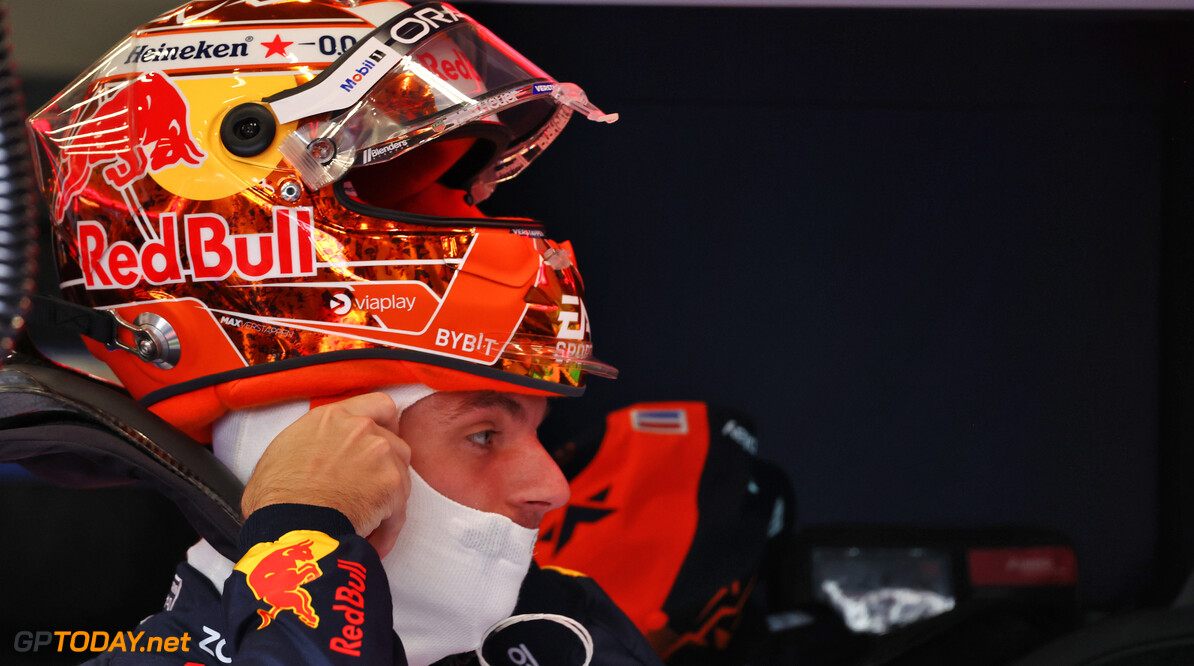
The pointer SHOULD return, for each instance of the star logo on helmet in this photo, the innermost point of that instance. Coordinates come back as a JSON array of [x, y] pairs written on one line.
[[276, 47]]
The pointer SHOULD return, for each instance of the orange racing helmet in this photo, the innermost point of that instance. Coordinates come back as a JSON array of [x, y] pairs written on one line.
[[249, 190]]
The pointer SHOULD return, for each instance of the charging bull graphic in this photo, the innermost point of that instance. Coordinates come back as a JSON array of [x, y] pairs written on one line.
[[142, 128], [277, 572]]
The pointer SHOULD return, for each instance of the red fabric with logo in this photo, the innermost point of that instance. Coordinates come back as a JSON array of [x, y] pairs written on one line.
[[641, 493]]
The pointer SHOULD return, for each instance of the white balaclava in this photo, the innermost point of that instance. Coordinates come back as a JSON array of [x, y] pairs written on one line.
[[454, 571]]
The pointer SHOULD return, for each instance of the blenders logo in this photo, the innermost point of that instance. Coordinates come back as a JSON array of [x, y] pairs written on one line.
[[383, 152], [362, 72], [213, 251], [204, 50]]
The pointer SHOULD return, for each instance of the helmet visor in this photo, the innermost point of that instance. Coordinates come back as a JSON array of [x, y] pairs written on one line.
[[423, 73]]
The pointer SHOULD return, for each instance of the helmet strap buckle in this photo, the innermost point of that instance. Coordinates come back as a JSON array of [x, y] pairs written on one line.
[[153, 339]]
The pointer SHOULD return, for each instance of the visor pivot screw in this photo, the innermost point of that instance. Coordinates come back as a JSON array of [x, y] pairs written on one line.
[[557, 259], [290, 191], [323, 150], [248, 130]]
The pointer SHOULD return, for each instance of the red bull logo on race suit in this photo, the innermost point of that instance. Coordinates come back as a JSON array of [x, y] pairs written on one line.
[[143, 127], [276, 573]]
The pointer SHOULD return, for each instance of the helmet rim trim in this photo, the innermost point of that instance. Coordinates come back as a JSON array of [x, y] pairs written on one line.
[[485, 372]]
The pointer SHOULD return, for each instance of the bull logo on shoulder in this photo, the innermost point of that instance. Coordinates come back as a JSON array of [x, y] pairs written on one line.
[[144, 127], [277, 576]]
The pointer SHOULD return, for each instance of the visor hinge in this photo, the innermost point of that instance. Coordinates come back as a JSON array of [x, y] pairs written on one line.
[[557, 259]]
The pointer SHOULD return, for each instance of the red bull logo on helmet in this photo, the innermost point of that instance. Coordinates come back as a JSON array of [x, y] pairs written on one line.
[[213, 251], [143, 127], [277, 571]]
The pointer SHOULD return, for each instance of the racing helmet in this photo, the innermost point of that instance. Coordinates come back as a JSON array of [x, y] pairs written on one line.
[[277, 199]]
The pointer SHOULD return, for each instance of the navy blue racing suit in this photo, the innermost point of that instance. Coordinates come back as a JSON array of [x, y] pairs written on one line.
[[308, 590]]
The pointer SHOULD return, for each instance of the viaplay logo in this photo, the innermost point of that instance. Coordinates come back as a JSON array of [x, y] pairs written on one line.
[[341, 303]]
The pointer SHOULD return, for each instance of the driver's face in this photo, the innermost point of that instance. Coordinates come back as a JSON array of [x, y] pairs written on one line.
[[482, 449]]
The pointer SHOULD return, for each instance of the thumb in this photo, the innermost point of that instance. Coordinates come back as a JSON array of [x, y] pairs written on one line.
[[383, 538]]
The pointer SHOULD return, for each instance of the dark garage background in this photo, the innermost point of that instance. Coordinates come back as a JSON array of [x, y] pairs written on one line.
[[939, 256]]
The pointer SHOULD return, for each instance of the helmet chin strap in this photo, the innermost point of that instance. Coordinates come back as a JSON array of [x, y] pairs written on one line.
[[153, 338]]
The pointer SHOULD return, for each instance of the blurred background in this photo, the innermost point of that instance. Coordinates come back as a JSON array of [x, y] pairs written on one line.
[[938, 251]]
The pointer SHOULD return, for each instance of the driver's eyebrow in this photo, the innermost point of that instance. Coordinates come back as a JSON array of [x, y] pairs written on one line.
[[486, 399]]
